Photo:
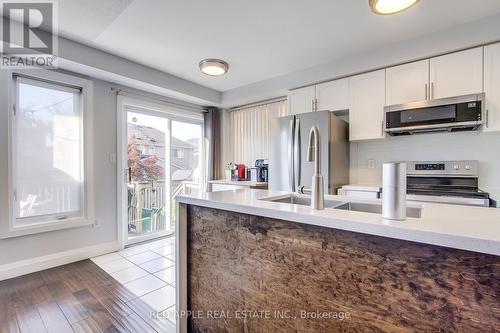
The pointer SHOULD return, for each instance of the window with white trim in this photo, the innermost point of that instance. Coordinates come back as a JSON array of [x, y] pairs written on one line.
[[47, 152]]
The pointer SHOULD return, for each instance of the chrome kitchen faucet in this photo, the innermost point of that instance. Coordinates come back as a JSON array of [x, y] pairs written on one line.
[[314, 155]]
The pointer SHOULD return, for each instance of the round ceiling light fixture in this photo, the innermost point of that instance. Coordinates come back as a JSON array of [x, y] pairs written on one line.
[[387, 7], [214, 67]]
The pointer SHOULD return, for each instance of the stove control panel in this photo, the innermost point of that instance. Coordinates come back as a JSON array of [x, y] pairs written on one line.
[[443, 168], [429, 166]]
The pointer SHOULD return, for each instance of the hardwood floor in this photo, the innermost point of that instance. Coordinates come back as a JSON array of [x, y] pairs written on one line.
[[78, 297]]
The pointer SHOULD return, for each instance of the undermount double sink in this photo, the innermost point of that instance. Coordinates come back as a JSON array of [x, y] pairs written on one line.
[[303, 200], [295, 199]]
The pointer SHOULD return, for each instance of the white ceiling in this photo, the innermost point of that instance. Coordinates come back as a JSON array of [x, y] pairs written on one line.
[[86, 20], [260, 39]]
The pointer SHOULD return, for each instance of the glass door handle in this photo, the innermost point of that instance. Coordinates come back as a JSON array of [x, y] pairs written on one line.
[[127, 175]]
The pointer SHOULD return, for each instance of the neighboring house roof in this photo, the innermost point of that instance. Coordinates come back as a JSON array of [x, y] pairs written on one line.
[[145, 135], [177, 143], [194, 142], [154, 139], [181, 174], [176, 165]]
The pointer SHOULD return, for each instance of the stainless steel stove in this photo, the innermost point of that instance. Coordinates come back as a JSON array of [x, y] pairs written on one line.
[[452, 182]]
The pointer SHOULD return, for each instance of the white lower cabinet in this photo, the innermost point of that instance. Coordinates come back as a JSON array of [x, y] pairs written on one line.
[[367, 100], [492, 87], [224, 187], [359, 193]]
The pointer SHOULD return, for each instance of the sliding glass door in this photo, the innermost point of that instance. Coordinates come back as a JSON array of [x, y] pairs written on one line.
[[185, 160], [148, 202], [164, 158]]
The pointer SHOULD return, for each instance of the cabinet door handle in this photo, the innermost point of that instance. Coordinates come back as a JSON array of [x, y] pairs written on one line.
[[487, 118], [312, 105], [426, 91], [432, 90], [382, 127]]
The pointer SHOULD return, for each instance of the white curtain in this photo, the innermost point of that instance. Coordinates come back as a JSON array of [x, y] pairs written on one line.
[[250, 131]]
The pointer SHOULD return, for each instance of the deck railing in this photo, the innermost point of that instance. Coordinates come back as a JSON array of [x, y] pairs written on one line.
[[47, 196], [148, 204]]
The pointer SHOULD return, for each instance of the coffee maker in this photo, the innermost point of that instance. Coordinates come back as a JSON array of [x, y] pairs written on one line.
[[262, 170]]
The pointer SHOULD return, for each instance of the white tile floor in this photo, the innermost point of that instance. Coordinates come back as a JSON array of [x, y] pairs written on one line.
[[147, 270]]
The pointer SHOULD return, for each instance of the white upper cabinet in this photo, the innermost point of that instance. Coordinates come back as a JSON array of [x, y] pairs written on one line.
[[457, 74], [302, 100], [367, 100], [492, 87], [366, 95], [407, 83], [333, 95]]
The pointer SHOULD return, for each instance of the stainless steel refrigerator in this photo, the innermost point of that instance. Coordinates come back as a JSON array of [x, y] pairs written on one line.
[[289, 139]]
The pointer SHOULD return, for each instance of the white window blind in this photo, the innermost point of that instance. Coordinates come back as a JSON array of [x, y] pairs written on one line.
[[250, 131], [48, 152]]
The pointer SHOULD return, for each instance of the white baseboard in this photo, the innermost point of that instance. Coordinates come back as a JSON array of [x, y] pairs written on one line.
[[27, 266]]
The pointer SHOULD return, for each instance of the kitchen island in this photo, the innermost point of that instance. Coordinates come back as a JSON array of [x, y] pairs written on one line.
[[250, 263]]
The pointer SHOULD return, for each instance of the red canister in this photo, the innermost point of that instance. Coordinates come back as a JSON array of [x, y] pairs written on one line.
[[242, 171]]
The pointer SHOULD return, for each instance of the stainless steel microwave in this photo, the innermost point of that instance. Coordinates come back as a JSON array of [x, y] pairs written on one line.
[[462, 113]]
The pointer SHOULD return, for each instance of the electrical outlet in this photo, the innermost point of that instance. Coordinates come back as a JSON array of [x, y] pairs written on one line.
[[97, 222], [371, 163]]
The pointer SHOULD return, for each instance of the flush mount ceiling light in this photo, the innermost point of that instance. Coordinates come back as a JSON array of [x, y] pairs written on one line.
[[214, 67], [386, 7]]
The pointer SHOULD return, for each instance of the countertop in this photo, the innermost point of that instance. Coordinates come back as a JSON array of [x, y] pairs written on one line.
[[237, 182], [494, 194], [363, 187], [461, 227]]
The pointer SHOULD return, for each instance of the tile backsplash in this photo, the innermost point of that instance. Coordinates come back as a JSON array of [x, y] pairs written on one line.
[[477, 145]]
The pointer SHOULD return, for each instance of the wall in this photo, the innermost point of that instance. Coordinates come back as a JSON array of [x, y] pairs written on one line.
[[484, 147], [80, 58], [104, 122], [471, 34]]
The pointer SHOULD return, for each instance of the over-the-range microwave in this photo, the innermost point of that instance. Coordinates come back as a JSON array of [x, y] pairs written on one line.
[[462, 113]]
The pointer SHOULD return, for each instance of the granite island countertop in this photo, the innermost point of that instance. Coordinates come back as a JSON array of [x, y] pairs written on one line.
[[460, 227]]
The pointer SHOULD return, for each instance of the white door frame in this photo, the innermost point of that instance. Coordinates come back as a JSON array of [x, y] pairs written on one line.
[[154, 109]]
